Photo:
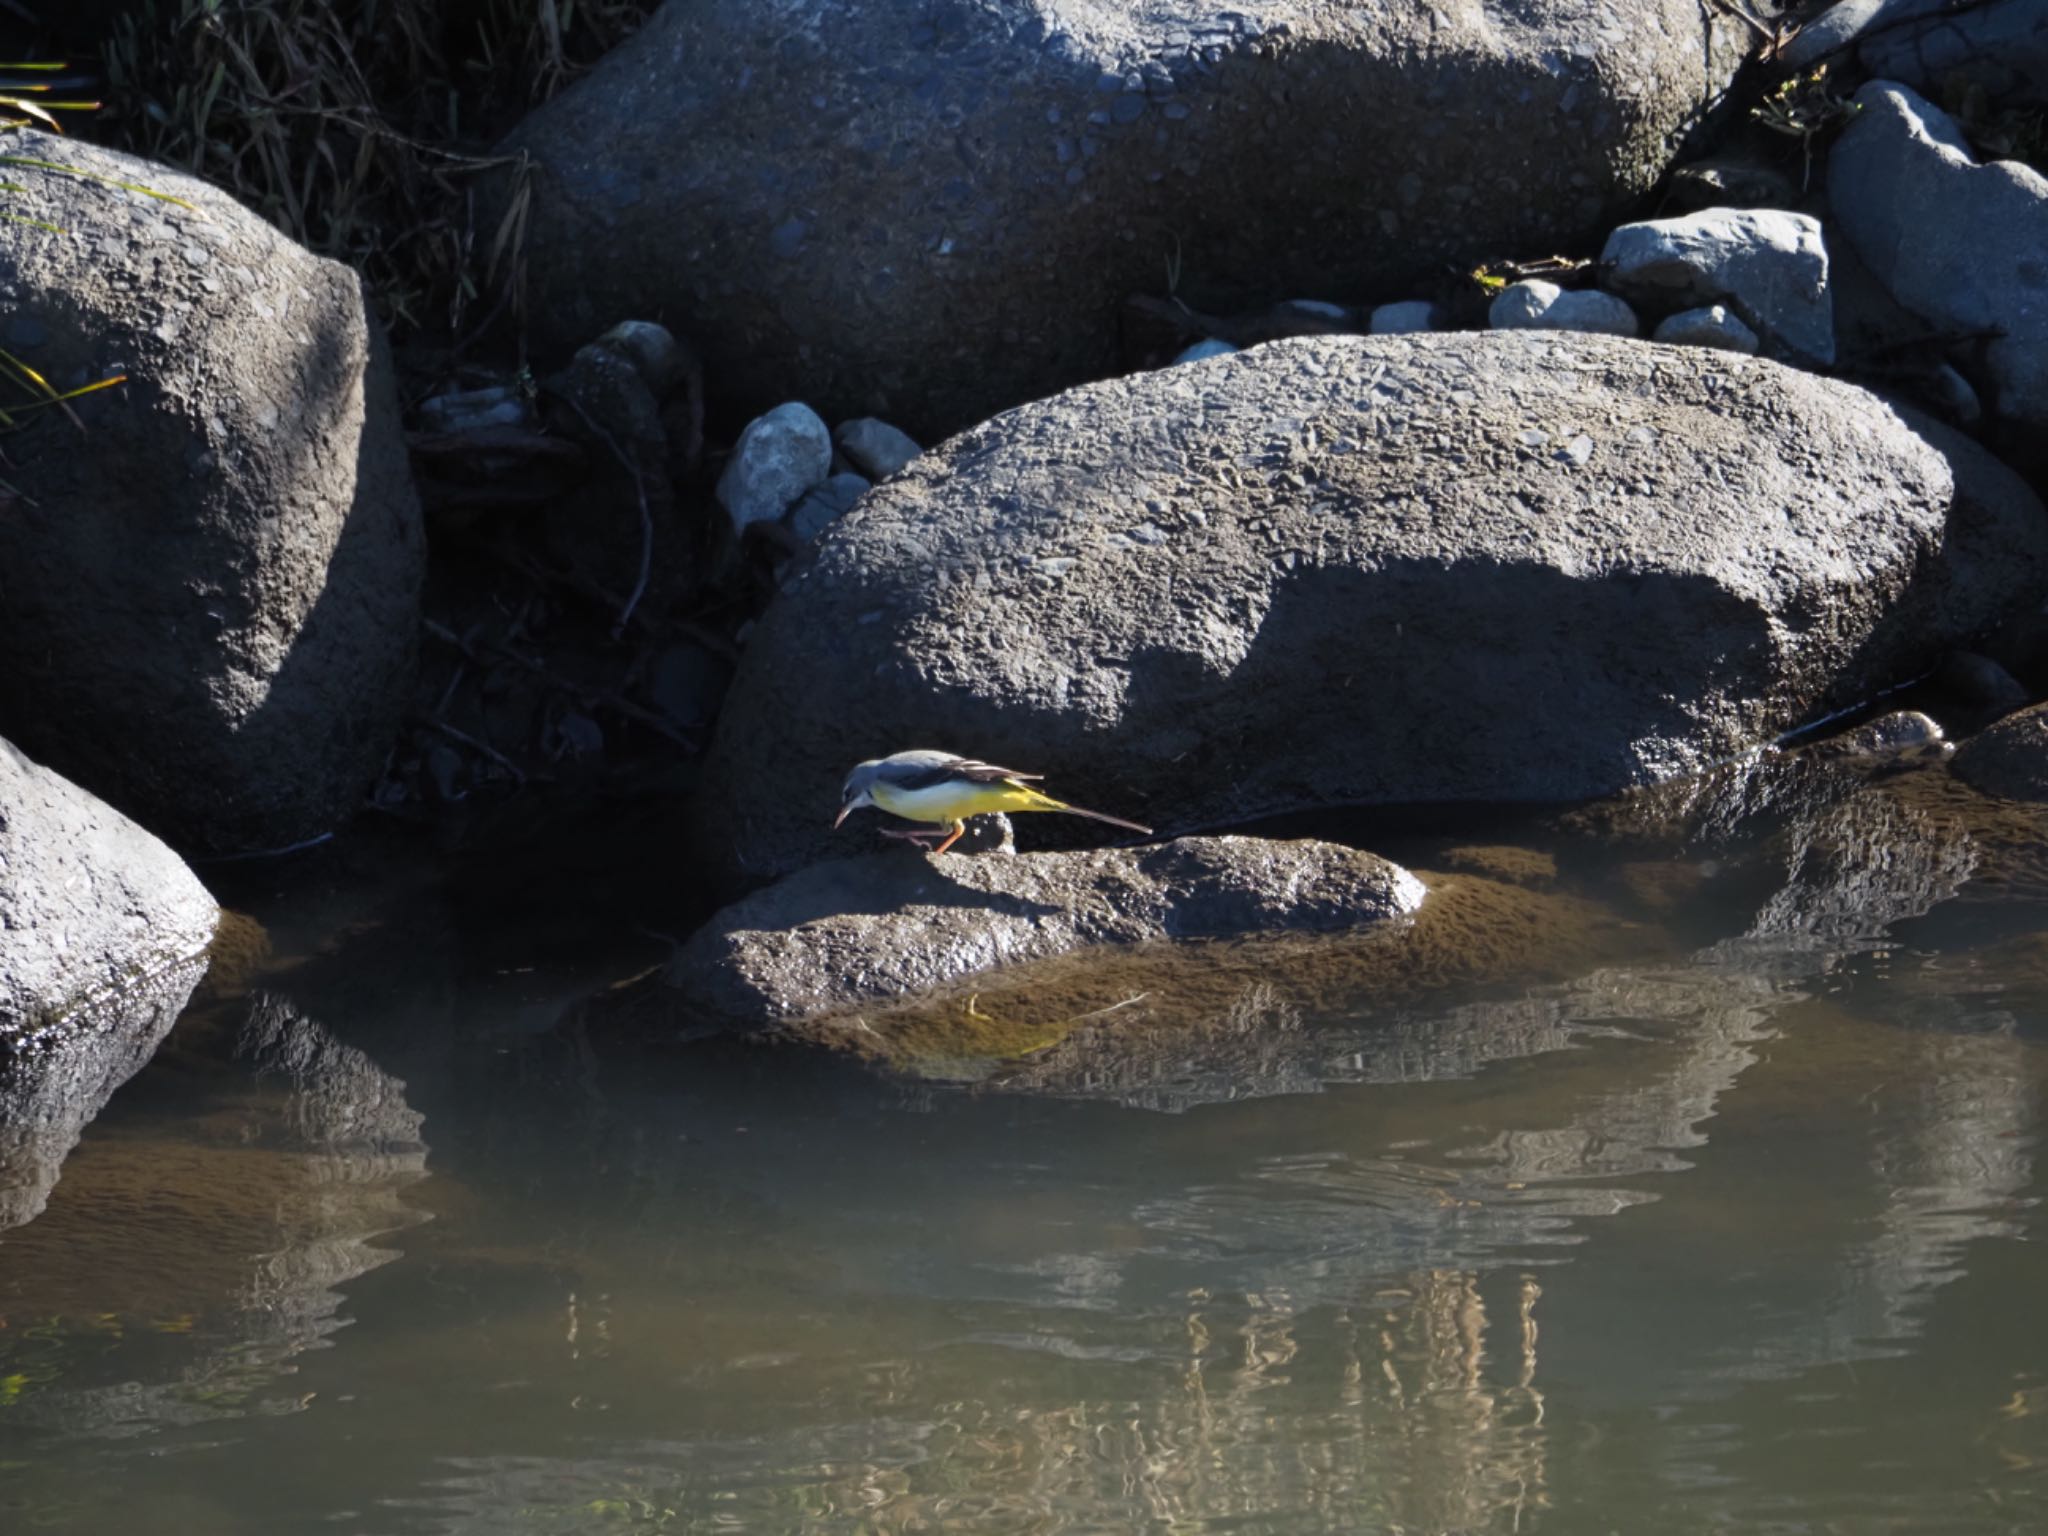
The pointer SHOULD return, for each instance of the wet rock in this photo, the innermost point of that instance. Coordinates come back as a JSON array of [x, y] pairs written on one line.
[[1209, 346], [1153, 586], [1956, 242], [1000, 176], [103, 935], [213, 594], [1533, 304], [825, 504], [1902, 732], [263, 1200], [778, 458], [1503, 862], [848, 932], [1824, 849], [1710, 327], [1405, 318], [875, 448], [2010, 759], [1997, 49], [1770, 265], [1172, 1025]]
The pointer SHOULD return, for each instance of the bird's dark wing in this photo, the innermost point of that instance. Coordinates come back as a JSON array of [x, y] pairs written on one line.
[[957, 768]]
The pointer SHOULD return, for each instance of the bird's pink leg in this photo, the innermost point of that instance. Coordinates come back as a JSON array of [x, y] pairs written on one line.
[[912, 837]]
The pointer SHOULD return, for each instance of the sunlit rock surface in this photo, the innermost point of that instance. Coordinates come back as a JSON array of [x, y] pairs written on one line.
[[850, 933], [103, 935], [1383, 570]]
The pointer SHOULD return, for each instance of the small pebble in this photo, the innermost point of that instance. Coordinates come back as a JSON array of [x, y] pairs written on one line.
[[779, 457], [1536, 305], [875, 448], [1405, 318], [1711, 326], [823, 505]]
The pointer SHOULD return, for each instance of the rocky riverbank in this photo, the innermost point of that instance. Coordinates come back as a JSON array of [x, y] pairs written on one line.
[[1242, 415]]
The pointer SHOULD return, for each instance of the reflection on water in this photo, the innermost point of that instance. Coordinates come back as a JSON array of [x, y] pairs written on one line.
[[1739, 1233]]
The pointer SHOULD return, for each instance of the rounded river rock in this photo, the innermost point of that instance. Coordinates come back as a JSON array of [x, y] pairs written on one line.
[[1479, 567]]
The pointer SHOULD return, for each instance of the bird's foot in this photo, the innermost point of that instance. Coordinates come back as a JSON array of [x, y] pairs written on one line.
[[932, 836]]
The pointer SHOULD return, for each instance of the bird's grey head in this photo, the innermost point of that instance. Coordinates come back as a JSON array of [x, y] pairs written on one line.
[[856, 792]]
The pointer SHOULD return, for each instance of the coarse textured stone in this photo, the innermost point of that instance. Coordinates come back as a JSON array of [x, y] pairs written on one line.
[[212, 594], [881, 927], [1772, 266], [924, 212], [103, 935], [1478, 566], [1534, 305], [1958, 243], [780, 456]]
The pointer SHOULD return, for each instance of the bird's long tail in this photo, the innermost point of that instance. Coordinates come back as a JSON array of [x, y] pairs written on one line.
[[1047, 803]]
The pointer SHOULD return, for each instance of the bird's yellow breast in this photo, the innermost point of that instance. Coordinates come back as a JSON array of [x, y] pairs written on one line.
[[955, 800]]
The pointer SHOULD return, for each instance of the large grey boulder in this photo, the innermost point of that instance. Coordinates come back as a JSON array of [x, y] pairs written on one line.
[[103, 935], [882, 927], [1484, 566], [929, 212], [1957, 243], [212, 590]]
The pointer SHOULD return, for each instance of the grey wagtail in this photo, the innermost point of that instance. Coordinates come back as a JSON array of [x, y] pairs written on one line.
[[945, 790]]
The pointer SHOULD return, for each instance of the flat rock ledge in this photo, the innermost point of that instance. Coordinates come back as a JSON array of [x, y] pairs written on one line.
[[852, 932]]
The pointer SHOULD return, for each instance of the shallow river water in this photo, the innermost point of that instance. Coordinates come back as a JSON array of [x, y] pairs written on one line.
[[1734, 1225]]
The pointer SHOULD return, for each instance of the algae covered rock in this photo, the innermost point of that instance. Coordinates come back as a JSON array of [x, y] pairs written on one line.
[[849, 932]]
